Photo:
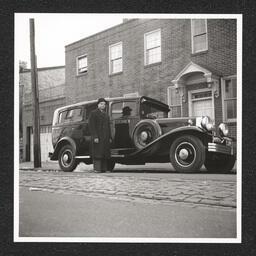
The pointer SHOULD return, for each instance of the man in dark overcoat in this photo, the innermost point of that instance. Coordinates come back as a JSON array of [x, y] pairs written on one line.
[[99, 126]]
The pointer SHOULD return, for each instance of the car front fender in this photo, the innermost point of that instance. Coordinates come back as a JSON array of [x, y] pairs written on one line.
[[63, 141], [167, 138]]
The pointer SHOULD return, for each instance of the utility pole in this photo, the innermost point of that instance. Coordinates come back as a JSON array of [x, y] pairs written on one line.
[[35, 96]]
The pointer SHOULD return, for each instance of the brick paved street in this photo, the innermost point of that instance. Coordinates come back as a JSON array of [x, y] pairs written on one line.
[[160, 188]]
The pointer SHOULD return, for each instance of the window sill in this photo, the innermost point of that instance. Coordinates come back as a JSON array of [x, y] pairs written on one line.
[[152, 64], [115, 74], [199, 53], [82, 74]]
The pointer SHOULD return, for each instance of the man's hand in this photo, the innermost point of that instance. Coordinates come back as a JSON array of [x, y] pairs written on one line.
[[96, 140]]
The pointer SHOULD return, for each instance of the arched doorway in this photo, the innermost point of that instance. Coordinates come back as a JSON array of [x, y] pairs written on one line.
[[195, 88]]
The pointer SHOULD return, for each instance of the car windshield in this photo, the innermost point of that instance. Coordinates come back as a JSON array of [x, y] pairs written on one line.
[[150, 109]]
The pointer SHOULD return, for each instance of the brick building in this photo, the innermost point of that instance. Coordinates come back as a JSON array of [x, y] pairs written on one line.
[[188, 64], [51, 82]]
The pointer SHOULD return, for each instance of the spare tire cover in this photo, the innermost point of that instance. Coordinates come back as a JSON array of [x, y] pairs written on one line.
[[145, 132]]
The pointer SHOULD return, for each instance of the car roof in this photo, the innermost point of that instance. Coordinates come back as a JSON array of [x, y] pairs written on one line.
[[82, 103]]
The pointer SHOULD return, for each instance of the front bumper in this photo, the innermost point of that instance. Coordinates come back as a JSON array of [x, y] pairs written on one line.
[[219, 148]]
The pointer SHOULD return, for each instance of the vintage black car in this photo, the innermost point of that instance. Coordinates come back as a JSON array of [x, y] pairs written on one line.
[[147, 135]]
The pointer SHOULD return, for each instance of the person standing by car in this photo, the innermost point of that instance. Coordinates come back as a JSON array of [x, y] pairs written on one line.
[[99, 126]]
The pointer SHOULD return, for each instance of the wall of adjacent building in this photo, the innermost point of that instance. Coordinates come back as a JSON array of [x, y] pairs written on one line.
[[51, 84]]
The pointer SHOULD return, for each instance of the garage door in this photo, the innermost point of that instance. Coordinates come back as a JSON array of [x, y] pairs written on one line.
[[45, 141]]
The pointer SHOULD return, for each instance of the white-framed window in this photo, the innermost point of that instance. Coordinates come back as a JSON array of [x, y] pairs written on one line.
[[201, 103], [229, 98], [82, 64], [152, 47], [199, 35], [174, 102], [116, 58]]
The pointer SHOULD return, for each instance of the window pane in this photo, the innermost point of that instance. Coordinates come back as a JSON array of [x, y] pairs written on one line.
[[230, 88], [116, 61], [62, 117], [198, 26], [132, 105], [77, 114], [153, 55], [230, 106], [200, 43], [116, 110], [200, 95], [116, 52], [116, 66], [153, 40], [82, 64]]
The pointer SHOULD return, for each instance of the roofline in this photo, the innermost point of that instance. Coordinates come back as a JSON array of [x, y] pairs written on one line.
[[105, 30], [42, 69]]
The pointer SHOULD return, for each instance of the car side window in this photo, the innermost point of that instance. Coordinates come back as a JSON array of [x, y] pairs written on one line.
[[62, 117], [71, 115], [117, 109]]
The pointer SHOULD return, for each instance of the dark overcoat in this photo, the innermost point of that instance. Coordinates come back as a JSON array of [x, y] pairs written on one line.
[[99, 127]]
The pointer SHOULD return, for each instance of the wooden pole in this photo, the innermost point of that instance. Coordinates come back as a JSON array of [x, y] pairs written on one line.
[[35, 96]]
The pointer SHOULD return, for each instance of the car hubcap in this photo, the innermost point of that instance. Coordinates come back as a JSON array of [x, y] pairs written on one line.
[[144, 136], [185, 154], [66, 158]]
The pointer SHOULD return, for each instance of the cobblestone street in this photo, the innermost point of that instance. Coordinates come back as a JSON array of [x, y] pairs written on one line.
[[164, 189]]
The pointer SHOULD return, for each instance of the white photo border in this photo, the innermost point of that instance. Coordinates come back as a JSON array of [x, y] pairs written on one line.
[[16, 236]]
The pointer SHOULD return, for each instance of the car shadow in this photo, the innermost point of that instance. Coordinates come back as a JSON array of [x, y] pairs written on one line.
[[171, 171]]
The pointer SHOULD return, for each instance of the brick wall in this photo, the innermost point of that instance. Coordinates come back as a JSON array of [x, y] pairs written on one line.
[[147, 80]]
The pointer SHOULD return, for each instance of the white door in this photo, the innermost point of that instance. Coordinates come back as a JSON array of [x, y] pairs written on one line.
[[45, 142], [201, 103]]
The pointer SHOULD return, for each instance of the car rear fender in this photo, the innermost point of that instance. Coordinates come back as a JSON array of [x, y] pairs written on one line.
[[60, 144]]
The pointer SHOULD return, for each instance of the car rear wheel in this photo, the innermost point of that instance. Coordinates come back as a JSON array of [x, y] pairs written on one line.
[[145, 132], [219, 163], [66, 158], [187, 154]]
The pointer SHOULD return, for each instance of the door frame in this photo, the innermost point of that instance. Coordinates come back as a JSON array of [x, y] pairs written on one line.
[[190, 92]]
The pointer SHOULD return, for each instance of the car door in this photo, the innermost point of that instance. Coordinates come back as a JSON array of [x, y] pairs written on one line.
[[122, 127], [86, 142]]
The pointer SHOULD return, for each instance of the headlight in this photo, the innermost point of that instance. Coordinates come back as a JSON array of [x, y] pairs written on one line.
[[223, 129], [190, 122], [207, 123]]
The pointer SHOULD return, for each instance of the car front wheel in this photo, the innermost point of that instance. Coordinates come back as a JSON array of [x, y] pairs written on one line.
[[219, 163], [67, 160], [187, 154]]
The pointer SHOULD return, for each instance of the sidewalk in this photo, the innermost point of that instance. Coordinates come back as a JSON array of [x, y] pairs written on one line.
[[54, 166], [50, 165]]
